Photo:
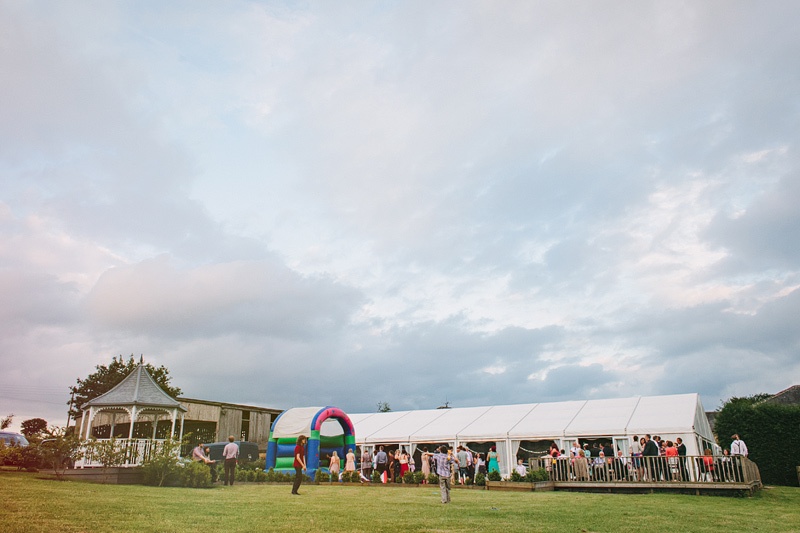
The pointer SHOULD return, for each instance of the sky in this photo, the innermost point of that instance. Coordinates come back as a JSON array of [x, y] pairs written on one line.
[[343, 203]]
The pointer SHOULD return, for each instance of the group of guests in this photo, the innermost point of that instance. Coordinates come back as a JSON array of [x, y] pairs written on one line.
[[650, 459], [230, 456], [335, 464], [393, 465]]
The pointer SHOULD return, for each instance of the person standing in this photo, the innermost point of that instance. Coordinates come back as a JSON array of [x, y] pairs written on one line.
[[333, 466], [444, 465], [426, 465], [650, 454], [738, 447], [494, 464], [230, 453], [350, 461], [212, 465], [461, 455], [738, 451], [299, 463], [681, 458], [366, 464], [381, 460]]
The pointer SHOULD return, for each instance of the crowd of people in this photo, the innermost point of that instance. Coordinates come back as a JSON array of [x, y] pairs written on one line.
[[650, 459], [393, 465]]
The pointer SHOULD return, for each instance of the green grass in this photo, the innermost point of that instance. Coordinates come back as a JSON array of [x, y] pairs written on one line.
[[31, 504]]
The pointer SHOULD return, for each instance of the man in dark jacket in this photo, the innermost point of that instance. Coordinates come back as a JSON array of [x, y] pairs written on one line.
[[650, 454], [681, 458]]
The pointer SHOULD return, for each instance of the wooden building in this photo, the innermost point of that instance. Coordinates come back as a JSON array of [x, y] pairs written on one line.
[[209, 421]]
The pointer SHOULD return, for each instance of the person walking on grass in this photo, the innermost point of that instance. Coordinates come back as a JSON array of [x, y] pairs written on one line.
[[299, 463], [444, 468]]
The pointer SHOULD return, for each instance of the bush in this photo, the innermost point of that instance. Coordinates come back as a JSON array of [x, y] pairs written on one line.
[[480, 480], [376, 476], [27, 457], [433, 479], [60, 451], [278, 477], [350, 476], [323, 477], [539, 474], [163, 468], [770, 432], [494, 475], [408, 478], [196, 475], [419, 477], [516, 477]]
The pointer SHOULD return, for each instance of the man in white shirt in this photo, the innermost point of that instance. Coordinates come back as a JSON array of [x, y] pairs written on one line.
[[738, 447], [230, 453]]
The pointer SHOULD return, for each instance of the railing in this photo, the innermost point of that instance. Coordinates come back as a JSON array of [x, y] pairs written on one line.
[[134, 452], [660, 469]]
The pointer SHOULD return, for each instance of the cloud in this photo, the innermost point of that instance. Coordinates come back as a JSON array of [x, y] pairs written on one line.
[[259, 297], [482, 204]]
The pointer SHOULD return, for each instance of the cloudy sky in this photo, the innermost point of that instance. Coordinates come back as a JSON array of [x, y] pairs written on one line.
[[341, 203]]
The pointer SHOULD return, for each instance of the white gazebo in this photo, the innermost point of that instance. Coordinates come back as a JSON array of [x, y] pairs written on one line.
[[136, 397]]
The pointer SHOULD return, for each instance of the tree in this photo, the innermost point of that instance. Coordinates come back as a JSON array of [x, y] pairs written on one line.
[[5, 422], [383, 407], [34, 428], [106, 377]]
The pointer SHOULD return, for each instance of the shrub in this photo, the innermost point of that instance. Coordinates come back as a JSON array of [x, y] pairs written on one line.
[[196, 475], [376, 476], [516, 477], [480, 480], [350, 476], [163, 466], [261, 476], [419, 477], [433, 479], [408, 478], [27, 458], [278, 477], [60, 451], [770, 431], [494, 475], [323, 477], [539, 474]]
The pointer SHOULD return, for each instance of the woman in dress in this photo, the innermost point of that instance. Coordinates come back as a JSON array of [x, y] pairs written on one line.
[[426, 464], [403, 462], [350, 464], [333, 466], [671, 453], [494, 465]]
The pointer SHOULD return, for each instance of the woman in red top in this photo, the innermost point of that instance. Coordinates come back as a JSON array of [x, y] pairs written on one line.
[[299, 462]]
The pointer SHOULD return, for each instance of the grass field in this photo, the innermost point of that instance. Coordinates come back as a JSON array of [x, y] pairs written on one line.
[[32, 504]]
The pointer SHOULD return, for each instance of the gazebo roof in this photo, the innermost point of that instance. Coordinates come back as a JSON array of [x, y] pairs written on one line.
[[139, 389]]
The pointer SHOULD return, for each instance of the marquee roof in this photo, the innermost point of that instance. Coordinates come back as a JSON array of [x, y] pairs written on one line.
[[677, 414]]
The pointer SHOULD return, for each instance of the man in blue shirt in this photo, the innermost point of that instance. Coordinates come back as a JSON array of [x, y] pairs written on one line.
[[443, 470]]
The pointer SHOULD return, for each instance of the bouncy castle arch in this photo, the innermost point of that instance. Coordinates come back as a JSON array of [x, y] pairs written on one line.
[[308, 421]]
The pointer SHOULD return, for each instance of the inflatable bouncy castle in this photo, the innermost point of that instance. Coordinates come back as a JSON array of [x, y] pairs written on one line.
[[328, 429]]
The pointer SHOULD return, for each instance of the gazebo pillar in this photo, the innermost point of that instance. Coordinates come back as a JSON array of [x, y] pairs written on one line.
[[133, 421]]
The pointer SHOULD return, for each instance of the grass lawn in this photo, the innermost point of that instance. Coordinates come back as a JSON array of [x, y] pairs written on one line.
[[31, 503]]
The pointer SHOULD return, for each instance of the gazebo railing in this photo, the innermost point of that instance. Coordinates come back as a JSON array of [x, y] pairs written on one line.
[[135, 452], [660, 469]]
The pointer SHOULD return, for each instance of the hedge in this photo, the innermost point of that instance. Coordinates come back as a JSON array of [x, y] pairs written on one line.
[[771, 432]]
